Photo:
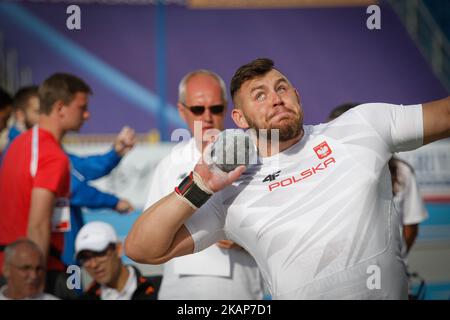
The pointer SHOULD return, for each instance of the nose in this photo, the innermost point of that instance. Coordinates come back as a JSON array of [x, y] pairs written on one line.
[[86, 115], [207, 115], [33, 274], [276, 99]]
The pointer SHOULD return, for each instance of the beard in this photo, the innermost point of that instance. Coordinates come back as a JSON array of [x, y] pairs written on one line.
[[287, 128]]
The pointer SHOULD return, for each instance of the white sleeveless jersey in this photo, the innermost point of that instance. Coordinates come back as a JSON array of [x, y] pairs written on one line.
[[318, 217]]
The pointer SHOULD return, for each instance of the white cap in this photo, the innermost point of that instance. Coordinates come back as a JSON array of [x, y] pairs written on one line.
[[95, 236]]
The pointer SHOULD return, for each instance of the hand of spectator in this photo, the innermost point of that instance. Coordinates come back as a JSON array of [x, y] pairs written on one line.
[[125, 141], [228, 244], [124, 207]]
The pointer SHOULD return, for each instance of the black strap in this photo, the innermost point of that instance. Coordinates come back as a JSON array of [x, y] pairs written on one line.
[[192, 192]]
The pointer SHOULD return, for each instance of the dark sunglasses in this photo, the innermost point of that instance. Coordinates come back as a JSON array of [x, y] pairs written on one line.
[[199, 110], [85, 256]]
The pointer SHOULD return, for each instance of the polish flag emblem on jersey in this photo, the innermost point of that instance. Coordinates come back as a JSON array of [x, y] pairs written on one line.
[[323, 150]]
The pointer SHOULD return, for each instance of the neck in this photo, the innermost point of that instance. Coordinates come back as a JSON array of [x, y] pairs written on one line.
[[267, 149], [121, 280], [48, 123], [11, 294]]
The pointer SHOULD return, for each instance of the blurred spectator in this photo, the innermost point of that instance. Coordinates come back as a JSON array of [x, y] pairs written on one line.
[[83, 169], [407, 199], [25, 110], [5, 108], [5, 112], [99, 251], [24, 270], [34, 177]]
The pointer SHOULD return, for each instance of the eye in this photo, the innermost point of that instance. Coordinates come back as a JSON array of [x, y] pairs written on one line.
[[260, 96], [281, 89]]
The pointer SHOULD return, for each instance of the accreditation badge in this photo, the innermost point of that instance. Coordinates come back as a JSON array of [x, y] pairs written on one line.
[[61, 215]]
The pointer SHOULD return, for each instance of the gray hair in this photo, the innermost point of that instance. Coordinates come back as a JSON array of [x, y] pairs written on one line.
[[10, 249], [183, 83]]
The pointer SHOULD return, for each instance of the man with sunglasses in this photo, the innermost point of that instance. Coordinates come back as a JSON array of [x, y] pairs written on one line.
[[24, 270], [317, 214], [224, 270], [99, 251]]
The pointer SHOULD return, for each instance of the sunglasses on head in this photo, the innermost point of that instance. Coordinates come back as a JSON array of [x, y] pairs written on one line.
[[199, 110]]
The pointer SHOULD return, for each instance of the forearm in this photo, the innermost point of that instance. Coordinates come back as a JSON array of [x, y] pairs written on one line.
[[40, 234], [410, 233], [152, 235], [39, 220]]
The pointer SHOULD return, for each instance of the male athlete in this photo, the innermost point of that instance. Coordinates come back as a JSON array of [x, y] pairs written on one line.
[[321, 226]]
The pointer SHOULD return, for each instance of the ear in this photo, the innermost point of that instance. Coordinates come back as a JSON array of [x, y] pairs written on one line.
[[239, 119], [58, 107], [181, 111], [298, 95]]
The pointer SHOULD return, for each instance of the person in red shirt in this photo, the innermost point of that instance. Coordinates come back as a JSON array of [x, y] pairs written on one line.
[[35, 176]]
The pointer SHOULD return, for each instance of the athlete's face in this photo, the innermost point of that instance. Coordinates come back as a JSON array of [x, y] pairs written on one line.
[[269, 102], [75, 112], [203, 101], [25, 273]]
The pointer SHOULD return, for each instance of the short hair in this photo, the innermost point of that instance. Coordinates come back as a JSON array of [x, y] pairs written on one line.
[[249, 71], [23, 95], [60, 86], [10, 249], [5, 99], [336, 112], [187, 77]]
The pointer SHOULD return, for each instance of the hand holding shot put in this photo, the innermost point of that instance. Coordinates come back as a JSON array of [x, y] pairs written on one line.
[[157, 226]]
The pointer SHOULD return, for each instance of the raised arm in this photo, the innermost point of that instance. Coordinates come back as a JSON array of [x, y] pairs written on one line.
[[159, 234], [436, 120]]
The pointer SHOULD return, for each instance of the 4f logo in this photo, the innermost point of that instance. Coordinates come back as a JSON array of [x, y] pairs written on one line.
[[323, 150], [272, 176]]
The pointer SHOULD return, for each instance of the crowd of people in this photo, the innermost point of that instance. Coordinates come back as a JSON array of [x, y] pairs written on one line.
[[338, 199]]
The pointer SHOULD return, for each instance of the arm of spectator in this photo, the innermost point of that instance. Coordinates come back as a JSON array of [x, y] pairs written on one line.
[[410, 233], [85, 195], [95, 166], [39, 222]]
